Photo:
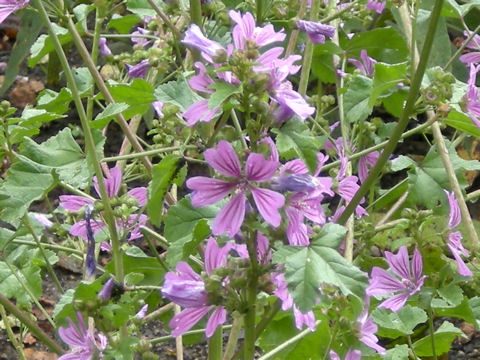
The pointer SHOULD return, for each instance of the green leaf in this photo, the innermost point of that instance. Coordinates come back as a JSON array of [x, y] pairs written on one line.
[[133, 278], [29, 30], [81, 12], [54, 101], [123, 23], [324, 68], [356, 99], [65, 300], [138, 95], [222, 92], [308, 267], [148, 267], [294, 140], [84, 80], [443, 337], [402, 162], [178, 93], [441, 50], [460, 121], [44, 44], [383, 44], [461, 311], [403, 321], [107, 114], [142, 8], [428, 179], [451, 293], [399, 352], [162, 176], [386, 77]]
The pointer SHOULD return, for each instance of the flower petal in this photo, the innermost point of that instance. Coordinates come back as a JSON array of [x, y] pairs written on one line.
[[396, 302], [218, 317], [208, 191], [185, 320], [230, 218], [400, 263], [215, 256], [268, 202], [224, 159], [74, 202], [382, 282], [257, 168], [139, 193]]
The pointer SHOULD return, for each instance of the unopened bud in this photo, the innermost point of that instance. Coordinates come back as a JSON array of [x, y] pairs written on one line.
[[294, 182]]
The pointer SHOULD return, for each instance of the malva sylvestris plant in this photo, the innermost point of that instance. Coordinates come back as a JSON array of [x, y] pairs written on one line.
[[279, 179]]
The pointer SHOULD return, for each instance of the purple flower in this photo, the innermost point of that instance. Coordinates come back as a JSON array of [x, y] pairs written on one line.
[[351, 355], [472, 106], [365, 64], [209, 48], [246, 30], [317, 32], [158, 107], [201, 82], [366, 162], [84, 344], [112, 183], [139, 70], [208, 191], [187, 289], [455, 238], [9, 6], [377, 6], [102, 46], [408, 279], [42, 219], [200, 112], [368, 330], [140, 41], [106, 292], [474, 44], [142, 312]]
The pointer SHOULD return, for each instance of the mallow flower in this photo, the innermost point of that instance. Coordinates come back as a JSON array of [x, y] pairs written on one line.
[[405, 281], [84, 344], [208, 48], [365, 64], [377, 6], [317, 32], [472, 102], [455, 237], [187, 289], [368, 329], [208, 191], [9, 6], [350, 355]]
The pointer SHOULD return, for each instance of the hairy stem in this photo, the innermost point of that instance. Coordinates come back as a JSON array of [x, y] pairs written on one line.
[[233, 337], [215, 345], [16, 344]]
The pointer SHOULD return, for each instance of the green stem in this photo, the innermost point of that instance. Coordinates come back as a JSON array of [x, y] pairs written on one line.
[[196, 12], [404, 119], [260, 4], [251, 296], [31, 325], [236, 123], [461, 48], [159, 312], [89, 142], [96, 39], [432, 332], [163, 240], [16, 344], [308, 53], [233, 337], [410, 345], [147, 153], [287, 343], [215, 345], [49, 246], [27, 223], [267, 318], [188, 333], [155, 252], [292, 41]]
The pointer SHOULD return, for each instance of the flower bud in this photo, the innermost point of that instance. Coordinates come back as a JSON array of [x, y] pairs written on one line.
[[294, 182]]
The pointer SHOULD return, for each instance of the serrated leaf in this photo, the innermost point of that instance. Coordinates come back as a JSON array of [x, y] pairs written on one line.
[[222, 92], [65, 300], [29, 30], [306, 268], [162, 175], [443, 337], [81, 12], [356, 99], [441, 48], [386, 77], [324, 68], [451, 293], [53, 101], [138, 95], [133, 278], [108, 113], [44, 44], [178, 93], [403, 321], [294, 140]]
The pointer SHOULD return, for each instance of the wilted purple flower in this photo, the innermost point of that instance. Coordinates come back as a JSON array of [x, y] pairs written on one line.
[[455, 238], [377, 6], [408, 279], [187, 289], [317, 32], [368, 330], [84, 344], [208, 191], [195, 38], [158, 107], [365, 64], [102, 46], [281, 291], [351, 355], [9, 6], [90, 262], [139, 70], [106, 292]]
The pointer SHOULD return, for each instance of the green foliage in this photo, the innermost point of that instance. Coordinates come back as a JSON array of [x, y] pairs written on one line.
[[295, 140], [308, 267], [138, 95], [443, 337], [400, 323], [324, 68], [178, 93], [222, 92], [357, 99], [385, 79]]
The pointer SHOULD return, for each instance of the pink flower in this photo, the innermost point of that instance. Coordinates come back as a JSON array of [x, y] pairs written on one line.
[[408, 279], [365, 65], [103, 47], [208, 191], [187, 289], [377, 6], [84, 344], [455, 238], [474, 44], [351, 355], [139, 70], [472, 106], [366, 162], [9, 6], [368, 330], [209, 48]]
